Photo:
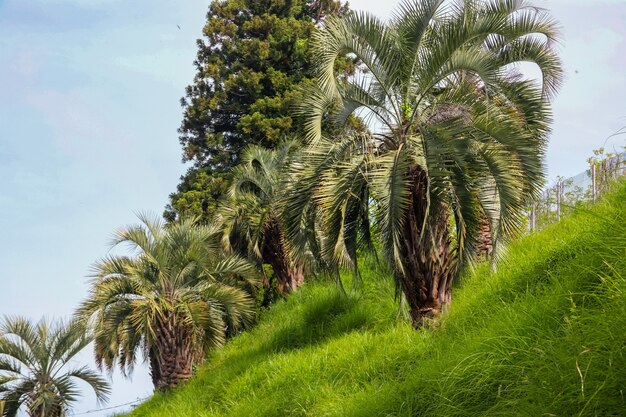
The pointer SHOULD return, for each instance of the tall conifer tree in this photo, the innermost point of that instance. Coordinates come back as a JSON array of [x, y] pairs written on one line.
[[252, 63]]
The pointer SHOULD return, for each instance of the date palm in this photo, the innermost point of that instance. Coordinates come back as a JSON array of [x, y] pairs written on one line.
[[458, 136], [37, 370], [175, 297], [250, 215]]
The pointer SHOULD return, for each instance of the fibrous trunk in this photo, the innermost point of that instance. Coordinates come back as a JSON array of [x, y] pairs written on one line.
[[290, 275], [427, 260], [484, 244], [172, 353]]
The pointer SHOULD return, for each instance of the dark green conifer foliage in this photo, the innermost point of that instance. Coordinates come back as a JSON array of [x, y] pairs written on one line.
[[252, 63]]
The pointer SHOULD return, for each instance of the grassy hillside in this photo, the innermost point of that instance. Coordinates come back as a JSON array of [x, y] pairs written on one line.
[[543, 336]]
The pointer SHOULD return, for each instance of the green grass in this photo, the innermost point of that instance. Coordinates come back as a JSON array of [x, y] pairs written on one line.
[[545, 335]]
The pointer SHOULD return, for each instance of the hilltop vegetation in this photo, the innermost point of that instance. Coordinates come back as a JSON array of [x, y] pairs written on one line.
[[544, 335]]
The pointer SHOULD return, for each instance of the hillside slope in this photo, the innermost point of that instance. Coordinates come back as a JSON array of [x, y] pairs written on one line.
[[543, 336]]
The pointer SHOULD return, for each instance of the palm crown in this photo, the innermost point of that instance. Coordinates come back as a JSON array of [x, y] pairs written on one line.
[[459, 135], [177, 296], [36, 370], [254, 194], [251, 215]]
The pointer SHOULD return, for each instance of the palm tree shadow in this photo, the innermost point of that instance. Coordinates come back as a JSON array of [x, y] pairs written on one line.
[[321, 319], [328, 317]]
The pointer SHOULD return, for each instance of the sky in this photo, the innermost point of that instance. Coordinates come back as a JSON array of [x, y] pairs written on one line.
[[89, 107]]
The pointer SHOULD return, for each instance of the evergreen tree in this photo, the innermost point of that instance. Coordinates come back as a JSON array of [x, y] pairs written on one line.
[[252, 66]]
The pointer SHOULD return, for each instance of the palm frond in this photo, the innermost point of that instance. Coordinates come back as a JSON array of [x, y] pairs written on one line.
[[443, 90], [33, 365], [131, 297]]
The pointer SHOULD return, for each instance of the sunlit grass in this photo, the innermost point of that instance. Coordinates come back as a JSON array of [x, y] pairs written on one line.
[[545, 335]]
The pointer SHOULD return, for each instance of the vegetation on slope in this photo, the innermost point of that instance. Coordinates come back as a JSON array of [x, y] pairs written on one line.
[[176, 297], [544, 335], [460, 137]]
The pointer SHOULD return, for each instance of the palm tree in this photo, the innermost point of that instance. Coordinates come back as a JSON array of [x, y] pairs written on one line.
[[36, 369], [459, 135], [177, 296], [250, 215]]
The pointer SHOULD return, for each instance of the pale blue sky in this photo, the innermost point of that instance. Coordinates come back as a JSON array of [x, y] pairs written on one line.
[[89, 107]]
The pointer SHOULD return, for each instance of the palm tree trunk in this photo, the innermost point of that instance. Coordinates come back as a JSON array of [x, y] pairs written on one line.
[[171, 356], [290, 276], [427, 260], [484, 244]]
